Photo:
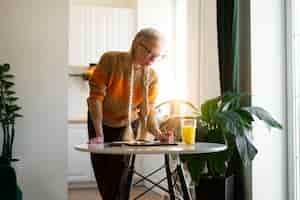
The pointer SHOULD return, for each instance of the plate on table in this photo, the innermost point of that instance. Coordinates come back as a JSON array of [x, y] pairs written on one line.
[[117, 143], [148, 143]]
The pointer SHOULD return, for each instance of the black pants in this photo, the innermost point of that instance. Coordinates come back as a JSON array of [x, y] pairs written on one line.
[[110, 170]]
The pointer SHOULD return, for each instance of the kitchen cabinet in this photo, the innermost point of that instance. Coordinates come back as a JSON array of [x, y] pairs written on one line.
[[79, 164]]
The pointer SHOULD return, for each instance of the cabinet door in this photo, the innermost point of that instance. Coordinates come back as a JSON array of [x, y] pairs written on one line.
[[79, 164], [95, 30]]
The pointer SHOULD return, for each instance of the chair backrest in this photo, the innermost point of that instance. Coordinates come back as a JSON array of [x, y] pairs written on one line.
[[170, 114]]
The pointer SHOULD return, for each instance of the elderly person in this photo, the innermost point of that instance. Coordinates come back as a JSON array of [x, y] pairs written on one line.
[[123, 89]]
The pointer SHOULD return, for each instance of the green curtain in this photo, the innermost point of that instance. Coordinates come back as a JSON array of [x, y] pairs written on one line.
[[228, 24], [228, 44]]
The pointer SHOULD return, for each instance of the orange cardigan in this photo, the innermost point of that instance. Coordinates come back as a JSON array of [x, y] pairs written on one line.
[[110, 83]]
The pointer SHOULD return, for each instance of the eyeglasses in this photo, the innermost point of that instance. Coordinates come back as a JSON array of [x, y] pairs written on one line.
[[152, 55]]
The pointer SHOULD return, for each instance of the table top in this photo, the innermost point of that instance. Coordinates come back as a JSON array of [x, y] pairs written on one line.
[[180, 148]]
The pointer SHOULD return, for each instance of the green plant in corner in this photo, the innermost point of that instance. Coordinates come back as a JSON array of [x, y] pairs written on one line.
[[223, 120], [8, 112]]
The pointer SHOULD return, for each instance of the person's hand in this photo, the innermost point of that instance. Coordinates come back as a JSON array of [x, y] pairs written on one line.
[[167, 137], [96, 140]]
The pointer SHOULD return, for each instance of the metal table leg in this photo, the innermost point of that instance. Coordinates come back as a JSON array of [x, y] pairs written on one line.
[[130, 176], [183, 183], [179, 171], [169, 177]]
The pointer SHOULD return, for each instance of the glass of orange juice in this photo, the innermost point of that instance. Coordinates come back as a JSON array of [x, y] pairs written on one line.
[[188, 131]]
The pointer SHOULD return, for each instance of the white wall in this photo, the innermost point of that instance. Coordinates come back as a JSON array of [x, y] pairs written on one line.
[[202, 53], [110, 3], [268, 89], [209, 78], [34, 35], [164, 21], [193, 49]]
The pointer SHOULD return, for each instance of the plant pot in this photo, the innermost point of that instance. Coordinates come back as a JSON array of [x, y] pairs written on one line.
[[217, 188], [4, 161], [9, 189]]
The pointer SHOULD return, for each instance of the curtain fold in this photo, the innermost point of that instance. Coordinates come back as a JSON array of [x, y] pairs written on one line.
[[228, 44], [208, 83], [228, 24]]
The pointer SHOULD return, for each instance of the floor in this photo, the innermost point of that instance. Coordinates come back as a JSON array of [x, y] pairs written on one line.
[[93, 194]]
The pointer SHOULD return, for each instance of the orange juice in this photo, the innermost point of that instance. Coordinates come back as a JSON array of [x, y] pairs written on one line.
[[188, 134]]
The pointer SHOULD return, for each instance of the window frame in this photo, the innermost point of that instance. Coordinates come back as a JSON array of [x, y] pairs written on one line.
[[292, 107]]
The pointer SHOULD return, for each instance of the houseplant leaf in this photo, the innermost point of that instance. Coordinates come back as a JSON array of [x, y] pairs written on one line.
[[208, 108], [9, 92], [263, 115], [12, 99], [230, 100], [246, 149], [196, 165], [12, 108], [226, 121], [4, 68], [15, 115], [230, 121], [6, 76], [7, 84], [246, 117], [8, 109]]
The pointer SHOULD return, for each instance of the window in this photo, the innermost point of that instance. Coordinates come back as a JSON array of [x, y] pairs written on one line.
[[170, 19], [297, 88], [293, 78]]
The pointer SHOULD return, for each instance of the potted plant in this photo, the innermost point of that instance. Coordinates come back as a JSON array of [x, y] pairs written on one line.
[[224, 120], [8, 114]]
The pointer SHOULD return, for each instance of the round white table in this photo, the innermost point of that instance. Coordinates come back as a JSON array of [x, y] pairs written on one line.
[[178, 149]]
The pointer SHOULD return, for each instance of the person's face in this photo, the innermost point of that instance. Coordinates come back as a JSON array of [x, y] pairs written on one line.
[[148, 51]]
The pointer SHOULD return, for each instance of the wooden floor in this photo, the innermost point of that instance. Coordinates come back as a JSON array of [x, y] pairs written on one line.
[[93, 194]]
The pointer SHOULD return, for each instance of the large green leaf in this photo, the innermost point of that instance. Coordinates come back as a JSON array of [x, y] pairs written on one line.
[[4, 68], [246, 149], [6, 76], [196, 166], [246, 117], [233, 95], [208, 108], [12, 99], [186, 157], [263, 115], [12, 108], [217, 166], [230, 121], [217, 162], [15, 115], [7, 84], [230, 100], [9, 92]]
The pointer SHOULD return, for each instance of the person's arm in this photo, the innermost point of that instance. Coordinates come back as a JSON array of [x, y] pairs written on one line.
[[96, 114], [98, 84], [152, 123]]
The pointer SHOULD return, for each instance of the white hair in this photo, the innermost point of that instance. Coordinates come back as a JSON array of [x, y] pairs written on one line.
[[147, 34]]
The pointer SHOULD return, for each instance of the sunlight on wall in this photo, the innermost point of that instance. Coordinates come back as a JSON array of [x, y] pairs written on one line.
[[170, 19]]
